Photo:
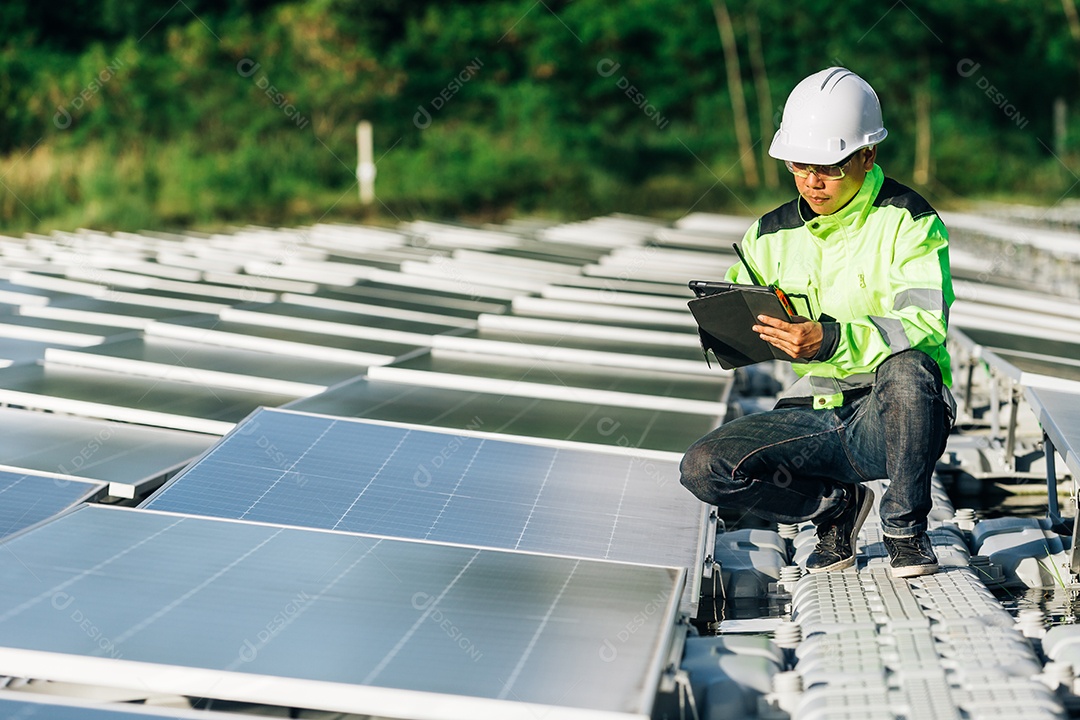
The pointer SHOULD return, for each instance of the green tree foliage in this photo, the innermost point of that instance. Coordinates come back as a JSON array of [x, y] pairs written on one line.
[[126, 113]]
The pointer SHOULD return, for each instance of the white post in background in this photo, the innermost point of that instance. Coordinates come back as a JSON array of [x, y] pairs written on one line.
[[1061, 111], [365, 169]]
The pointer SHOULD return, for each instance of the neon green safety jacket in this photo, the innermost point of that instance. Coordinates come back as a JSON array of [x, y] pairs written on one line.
[[875, 273]]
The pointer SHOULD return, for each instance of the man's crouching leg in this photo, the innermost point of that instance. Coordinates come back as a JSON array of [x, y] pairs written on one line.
[[775, 465]]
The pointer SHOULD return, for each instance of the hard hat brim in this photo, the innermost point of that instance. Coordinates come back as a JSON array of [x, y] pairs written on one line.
[[782, 150]]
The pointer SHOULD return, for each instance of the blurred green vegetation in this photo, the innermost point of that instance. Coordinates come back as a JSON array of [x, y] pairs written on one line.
[[127, 114]]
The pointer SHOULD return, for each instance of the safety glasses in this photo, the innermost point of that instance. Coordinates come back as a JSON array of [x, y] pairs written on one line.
[[825, 172]]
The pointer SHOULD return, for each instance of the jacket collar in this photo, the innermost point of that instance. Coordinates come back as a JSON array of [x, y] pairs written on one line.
[[853, 215]]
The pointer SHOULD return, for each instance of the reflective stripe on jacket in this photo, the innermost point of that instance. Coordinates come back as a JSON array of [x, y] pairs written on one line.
[[879, 267]]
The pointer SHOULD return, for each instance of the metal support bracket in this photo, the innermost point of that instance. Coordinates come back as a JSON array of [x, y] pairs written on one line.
[[971, 363], [1010, 437], [1052, 510]]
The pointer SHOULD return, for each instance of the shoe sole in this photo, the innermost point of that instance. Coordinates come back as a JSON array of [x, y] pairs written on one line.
[[842, 564], [915, 570], [864, 511]]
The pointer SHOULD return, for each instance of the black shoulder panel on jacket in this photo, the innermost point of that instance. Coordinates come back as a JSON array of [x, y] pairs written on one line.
[[901, 196], [785, 217]]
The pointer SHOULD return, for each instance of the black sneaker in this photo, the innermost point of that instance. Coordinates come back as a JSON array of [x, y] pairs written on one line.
[[911, 557], [836, 538]]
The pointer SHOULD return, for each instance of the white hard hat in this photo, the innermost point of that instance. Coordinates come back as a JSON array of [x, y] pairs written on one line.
[[828, 116]]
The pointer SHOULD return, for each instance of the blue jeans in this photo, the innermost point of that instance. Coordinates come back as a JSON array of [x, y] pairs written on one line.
[[790, 464]]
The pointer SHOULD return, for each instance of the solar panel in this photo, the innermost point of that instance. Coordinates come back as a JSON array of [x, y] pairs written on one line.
[[63, 326], [26, 328], [573, 374], [1059, 414], [411, 482], [117, 453], [330, 621], [361, 311], [350, 316], [14, 351], [669, 320], [442, 285], [335, 322], [115, 396], [540, 377], [177, 303], [26, 499], [106, 311], [1000, 340], [509, 414], [569, 328], [34, 706], [419, 298], [293, 342], [581, 350], [560, 253], [1064, 368], [170, 359], [549, 334]]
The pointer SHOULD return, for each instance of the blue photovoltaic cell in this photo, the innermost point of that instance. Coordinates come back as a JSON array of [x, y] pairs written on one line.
[[27, 499], [346, 474]]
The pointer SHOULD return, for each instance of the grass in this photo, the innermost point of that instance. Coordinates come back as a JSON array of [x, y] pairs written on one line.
[[280, 181], [1053, 570]]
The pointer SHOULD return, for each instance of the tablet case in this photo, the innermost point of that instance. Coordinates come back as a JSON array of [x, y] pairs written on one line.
[[725, 316]]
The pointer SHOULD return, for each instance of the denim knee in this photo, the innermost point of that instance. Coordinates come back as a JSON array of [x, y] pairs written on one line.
[[698, 472], [907, 365], [694, 469]]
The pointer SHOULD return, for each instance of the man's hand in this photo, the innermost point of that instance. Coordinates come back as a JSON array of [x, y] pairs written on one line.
[[799, 339]]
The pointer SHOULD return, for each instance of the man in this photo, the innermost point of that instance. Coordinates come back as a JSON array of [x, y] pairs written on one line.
[[868, 258]]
